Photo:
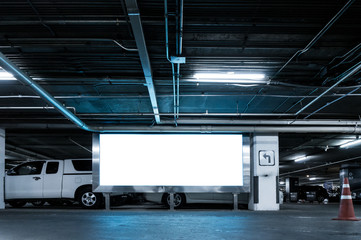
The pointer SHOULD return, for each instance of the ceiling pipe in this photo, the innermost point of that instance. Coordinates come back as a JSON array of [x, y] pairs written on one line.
[[195, 129], [26, 80], [35, 108], [115, 20], [192, 114], [349, 74], [75, 40], [66, 22], [269, 122], [22, 156], [327, 104], [317, 37], [229, 129], [320, 166], [79, 145], [168, 95], [167, 55], [180, 49], [25, 151]]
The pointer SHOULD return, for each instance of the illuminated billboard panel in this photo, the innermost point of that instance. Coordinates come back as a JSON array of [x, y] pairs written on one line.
[[170, 160]]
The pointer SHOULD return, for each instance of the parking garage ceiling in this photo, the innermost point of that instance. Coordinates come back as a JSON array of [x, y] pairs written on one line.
[[108, 63]]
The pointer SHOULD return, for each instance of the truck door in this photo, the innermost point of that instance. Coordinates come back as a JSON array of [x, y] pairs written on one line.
[[25, 181], [53, 179]]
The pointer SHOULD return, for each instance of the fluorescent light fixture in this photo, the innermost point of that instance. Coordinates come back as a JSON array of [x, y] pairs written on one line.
[[5, 75], [230, 77], [351, 143], [312, 178], [301, 159]]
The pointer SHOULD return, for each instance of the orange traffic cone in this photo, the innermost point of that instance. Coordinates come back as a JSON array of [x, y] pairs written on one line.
[[346, 211]]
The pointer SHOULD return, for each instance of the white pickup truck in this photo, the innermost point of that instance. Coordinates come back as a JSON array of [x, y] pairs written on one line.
[[52, 180]]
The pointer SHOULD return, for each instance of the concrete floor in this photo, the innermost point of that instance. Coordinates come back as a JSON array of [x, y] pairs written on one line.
[[294, 221]]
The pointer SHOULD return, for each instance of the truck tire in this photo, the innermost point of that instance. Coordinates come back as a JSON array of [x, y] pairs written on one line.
[[17, 203], [88, 199]]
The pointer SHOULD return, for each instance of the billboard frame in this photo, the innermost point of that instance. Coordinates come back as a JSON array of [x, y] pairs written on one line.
[[170, 189]]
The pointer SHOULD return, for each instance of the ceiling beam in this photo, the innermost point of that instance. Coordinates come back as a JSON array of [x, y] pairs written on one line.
[[135, 21], [25, 152]]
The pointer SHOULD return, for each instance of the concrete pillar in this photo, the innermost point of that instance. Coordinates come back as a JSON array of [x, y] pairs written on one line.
[[291, 187], [264, 172], [2, 167]]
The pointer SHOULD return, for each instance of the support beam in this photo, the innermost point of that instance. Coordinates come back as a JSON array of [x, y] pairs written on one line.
[[235, 201], [107, 201], [2, 167], [171, 201], [135, 21]]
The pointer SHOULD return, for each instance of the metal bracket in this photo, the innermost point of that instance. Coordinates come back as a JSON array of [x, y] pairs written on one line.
[[235, 201], [107, 200], [175, 59], [171, 201]]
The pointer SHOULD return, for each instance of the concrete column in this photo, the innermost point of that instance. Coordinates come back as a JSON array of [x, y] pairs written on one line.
[[291, 187], [2, 167], [264, 172]]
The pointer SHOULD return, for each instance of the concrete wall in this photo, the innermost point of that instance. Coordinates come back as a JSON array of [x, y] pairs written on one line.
[[264, 172], [2, 167]]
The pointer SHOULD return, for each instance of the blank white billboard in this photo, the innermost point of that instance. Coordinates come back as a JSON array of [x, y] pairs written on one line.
[[170, 160]]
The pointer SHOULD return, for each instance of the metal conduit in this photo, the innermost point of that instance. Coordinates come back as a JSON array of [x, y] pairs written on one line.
[[230, 129], [183, 95], [180, 50], [34, 108], [197, 129], [167, 54], [317, 37], [25, 151], [77, 40], [320, 166], [26, 80], [137, 27], [349, 74], [327, 104]]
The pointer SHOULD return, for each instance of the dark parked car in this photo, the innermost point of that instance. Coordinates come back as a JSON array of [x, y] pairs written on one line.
[[312, 193]]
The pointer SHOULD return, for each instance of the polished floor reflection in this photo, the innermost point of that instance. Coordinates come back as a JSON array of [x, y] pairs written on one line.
[[294, 221]]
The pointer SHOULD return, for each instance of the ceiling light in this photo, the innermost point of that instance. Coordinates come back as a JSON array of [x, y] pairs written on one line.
[[5, 75], [312, 178], [230, 77], [351, 143], [301, 159]]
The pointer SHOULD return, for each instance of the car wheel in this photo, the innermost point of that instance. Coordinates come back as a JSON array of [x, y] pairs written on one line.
[[38, 203], [89, 199], [17, 203], [179, 200]]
